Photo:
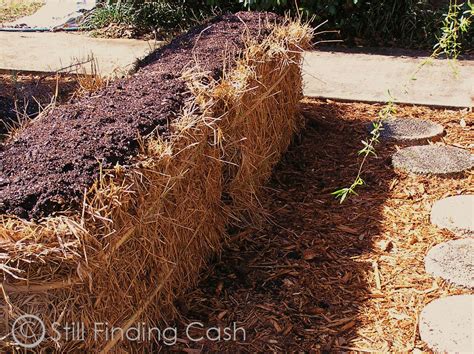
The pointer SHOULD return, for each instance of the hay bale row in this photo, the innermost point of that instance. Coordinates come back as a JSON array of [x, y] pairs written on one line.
[[146, 229]]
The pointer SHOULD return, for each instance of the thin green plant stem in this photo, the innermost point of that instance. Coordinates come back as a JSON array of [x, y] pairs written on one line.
[[368, 149]]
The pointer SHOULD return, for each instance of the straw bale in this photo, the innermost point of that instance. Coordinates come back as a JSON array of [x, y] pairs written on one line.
[[146, 231]]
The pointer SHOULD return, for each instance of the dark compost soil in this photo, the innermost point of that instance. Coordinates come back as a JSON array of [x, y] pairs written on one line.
[[49, 165]]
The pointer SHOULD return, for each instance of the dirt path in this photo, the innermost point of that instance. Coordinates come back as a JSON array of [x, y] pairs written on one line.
[[325, 276]]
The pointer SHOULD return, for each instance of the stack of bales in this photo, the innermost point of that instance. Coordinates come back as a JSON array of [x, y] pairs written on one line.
[[148, 223]]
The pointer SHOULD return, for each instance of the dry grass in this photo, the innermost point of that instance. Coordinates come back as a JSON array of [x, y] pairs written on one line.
[[90, 80], [145, 232], [11, 10]]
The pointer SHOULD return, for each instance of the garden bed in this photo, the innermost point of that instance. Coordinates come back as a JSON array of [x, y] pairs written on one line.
[[106, 126], [122, 196]]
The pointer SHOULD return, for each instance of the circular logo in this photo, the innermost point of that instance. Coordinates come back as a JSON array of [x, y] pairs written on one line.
[[28, 331]]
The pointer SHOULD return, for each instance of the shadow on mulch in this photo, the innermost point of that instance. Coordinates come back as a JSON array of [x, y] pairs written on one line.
[[22, 96], [299, 282]]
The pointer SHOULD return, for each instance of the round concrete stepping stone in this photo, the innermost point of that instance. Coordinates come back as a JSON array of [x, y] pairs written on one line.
[[411, 130], [433, 159], [455, 214], [446, 325], [453, 261]]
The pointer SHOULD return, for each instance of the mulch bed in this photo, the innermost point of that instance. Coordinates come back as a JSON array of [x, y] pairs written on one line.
[[61, 154], [320, 275]]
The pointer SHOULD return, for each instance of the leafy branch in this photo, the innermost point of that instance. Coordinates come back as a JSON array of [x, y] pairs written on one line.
[[455, 23]]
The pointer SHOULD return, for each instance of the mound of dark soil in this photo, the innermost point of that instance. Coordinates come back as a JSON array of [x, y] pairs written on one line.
[[52, 162]]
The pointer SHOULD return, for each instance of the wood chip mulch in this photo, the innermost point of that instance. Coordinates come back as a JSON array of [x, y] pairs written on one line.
[[320, 275]]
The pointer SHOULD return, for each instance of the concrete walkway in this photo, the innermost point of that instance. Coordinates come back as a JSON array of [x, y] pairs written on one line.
[[367, 77], [50, 52]]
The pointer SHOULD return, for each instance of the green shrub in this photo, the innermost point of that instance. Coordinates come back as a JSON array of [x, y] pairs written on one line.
[[410, 23], [148, 15], [405, 23], [105, 15], [161, 15]]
